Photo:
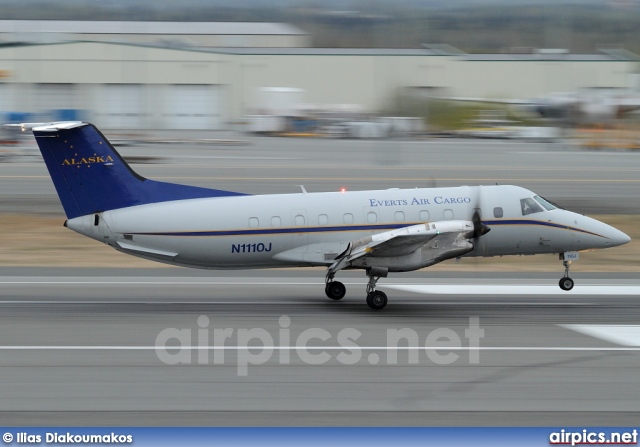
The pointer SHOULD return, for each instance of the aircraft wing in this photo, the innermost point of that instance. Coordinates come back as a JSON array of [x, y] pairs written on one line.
[[446, 239], [402, 249]]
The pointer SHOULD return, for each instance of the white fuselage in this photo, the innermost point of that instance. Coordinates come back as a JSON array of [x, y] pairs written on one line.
[[309, 229]]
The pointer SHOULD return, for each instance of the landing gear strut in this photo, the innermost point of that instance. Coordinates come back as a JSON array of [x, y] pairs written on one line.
[[376, 299], [566, 283]]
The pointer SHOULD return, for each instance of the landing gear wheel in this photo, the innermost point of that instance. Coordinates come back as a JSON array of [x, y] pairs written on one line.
[[566, 283], [377, 300], [335, 290]]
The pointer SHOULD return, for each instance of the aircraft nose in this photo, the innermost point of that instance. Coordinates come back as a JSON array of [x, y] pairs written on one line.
[[617, 237]]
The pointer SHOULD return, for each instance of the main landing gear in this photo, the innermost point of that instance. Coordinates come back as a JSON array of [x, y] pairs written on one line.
[[376, 299], [335, 290], [567, 283]]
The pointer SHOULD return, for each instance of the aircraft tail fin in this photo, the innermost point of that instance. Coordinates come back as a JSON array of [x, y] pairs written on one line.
[[90, 176]]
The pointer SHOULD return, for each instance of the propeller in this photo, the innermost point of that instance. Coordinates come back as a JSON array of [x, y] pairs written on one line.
[[479, 229]]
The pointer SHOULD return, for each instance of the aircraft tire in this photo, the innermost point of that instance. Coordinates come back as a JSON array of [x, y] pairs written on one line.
[[377, 300], [335, 290], [566, 283]]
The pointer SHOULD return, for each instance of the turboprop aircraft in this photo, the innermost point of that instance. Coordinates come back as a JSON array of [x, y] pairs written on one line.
[[380, 232]]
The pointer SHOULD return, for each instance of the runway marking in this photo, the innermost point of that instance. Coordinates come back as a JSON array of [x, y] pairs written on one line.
[[625, 335], [296, 302], [323, 348], [470, 286], [601, 153], [481, 289], [152, 282]]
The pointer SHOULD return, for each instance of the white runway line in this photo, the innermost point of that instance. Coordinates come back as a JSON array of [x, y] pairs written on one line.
[[516, 289], [280, 303], [153, 282], [320, 348], [625, 335]]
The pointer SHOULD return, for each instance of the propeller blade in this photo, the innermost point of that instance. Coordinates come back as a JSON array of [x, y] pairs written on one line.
[[479, 229]]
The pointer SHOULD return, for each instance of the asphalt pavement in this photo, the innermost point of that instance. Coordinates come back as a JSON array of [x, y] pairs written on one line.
[[184, 347]]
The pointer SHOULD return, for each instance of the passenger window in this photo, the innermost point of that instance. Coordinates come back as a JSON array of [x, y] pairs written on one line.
[[530, 206], [275, 221], [497, 212], [424, 216], [448, 214], [299, 220], [399, 216], [372, 217], [254, 222], [348, 218], [323, 219]]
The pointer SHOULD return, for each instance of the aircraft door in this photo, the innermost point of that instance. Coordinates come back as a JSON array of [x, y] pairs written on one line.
[[495, 211]]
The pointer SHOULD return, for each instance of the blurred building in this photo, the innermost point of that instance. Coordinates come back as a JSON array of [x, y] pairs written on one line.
[[176, 34], [155, 85]]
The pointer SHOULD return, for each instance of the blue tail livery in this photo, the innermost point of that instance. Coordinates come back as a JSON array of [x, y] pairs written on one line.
[[91, 177]]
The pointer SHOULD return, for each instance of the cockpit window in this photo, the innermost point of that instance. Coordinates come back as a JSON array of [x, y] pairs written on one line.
[[547, 204], [530, 206]]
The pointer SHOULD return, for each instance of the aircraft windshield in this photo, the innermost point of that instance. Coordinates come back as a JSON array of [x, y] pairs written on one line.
[[547, 204], [530, 206]]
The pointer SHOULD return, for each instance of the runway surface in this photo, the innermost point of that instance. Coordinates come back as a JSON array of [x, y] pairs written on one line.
[[87, 346]]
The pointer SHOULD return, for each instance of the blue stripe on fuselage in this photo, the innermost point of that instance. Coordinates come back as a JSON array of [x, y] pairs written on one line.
[[330, 229], [260, 231]]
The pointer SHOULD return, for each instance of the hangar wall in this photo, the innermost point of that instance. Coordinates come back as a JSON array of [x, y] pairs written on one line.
[[134, 86]]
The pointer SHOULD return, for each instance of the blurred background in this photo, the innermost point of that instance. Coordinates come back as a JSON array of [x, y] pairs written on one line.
[[361, 69]]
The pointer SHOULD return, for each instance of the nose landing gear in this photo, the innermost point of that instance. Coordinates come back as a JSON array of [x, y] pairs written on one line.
[[567, 283]]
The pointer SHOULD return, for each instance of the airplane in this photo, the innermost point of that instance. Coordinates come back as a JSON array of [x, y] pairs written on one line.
[[587, 106], [378, 231]]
